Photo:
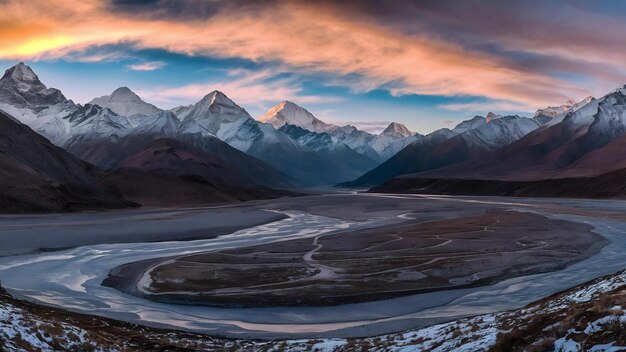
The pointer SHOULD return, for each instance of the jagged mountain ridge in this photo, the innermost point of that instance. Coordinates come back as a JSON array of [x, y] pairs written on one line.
[[554, 114]]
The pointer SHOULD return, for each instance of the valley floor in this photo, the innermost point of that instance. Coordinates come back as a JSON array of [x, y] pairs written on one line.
[[62, 304], [363, 265]]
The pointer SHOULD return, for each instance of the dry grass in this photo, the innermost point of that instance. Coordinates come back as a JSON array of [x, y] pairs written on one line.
[[534, 336]]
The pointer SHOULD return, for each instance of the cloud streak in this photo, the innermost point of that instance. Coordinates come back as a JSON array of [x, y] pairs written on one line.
[[146, 66], [483, 107]]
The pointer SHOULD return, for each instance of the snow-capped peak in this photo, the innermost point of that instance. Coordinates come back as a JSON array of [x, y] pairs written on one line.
[[21, 89], [214, 100], [21, 73], [287, 112], [396, 129], [569, 105], [124, 94], [491, 116], [217, 97], [555, 114], [467, 125], [125, 102]]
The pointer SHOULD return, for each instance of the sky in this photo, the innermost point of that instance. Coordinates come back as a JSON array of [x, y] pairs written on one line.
[[427, 64]]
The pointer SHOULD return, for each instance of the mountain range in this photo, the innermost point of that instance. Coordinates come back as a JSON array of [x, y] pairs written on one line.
[[577, 152], [125, 155], [126, 150], [285, 158]]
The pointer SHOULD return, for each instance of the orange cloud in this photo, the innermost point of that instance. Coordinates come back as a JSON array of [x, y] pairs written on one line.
[[298, 36]]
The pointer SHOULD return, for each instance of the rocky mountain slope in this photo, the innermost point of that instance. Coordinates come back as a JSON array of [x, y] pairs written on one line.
[[23, 94], [167, 171]]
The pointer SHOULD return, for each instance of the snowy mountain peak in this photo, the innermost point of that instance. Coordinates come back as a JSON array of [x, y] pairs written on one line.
[[21, 73], [396, 129], [125, 102], [287, 112], [124, 94], [217, 97], [569, 105], [491, 116], [555, 114], [467, 125], [21, 89]]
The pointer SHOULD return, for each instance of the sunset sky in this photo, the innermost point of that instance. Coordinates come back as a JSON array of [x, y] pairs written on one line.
[[428, 64]]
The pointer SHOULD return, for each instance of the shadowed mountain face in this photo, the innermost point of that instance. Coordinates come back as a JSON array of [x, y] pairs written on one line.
[[420, 155], [344, 160], [172, 158], [167, 172], [607, 185], [37, 176]]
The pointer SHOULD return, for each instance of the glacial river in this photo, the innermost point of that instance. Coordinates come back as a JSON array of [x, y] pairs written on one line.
[[71, 279]]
